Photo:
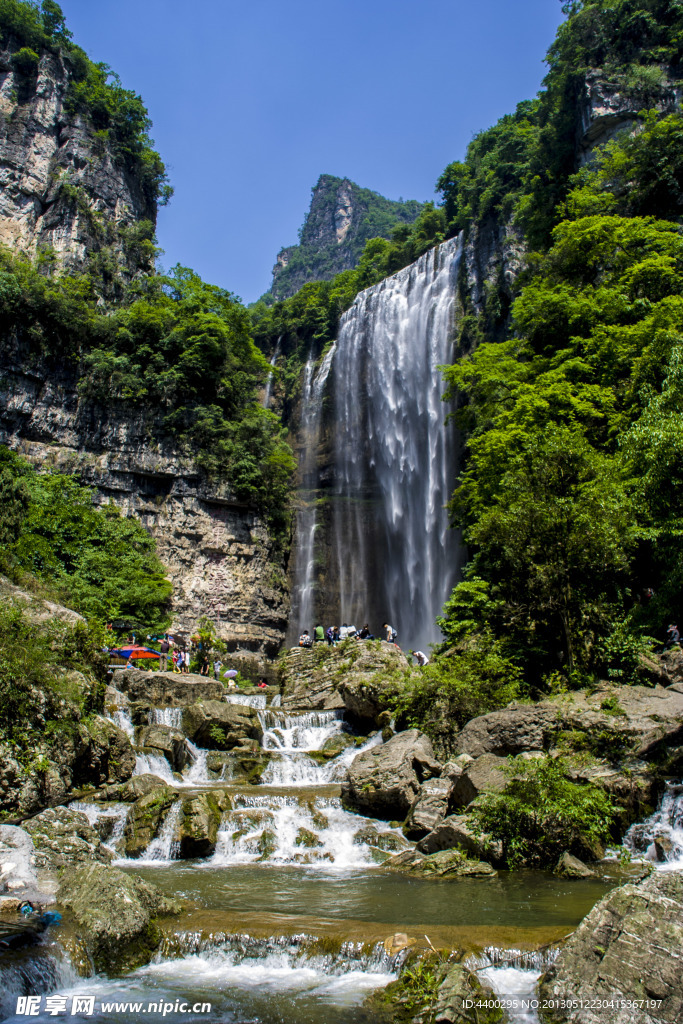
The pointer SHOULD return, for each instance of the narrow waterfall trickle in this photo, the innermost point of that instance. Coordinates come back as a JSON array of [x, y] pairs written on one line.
[[660, 838], [394, 456], [303, 597], [269, 381]]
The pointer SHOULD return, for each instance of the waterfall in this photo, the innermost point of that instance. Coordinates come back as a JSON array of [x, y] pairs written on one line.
[[269, 381], [660, 838], [251, 700], [164, 846], [396, 558], [303, 603], [172, 717]]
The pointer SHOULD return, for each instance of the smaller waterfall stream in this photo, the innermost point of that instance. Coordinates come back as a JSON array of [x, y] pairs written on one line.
[[269, 381], [660, 838], [303, 597]]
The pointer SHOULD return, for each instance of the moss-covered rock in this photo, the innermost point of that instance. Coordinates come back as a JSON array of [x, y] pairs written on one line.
[[444, 864], [267, 843], [63, 837], [305, 837], [116, 915], [200, 820], [144, 819], [216, 725]]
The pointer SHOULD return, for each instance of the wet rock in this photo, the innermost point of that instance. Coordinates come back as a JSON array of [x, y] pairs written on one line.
[[430, 807], [167, 689], [454, 832], [304, 837], [237, 765], [267, 843], [334, 746], [200, 820], [627, 948], [116, 915], [569, 866], [63, 837], [166, 741], [128, 792], [664, 848], [443, 864], [106, 755], [482, 775], [460, 997], [388, 842], [144, 819], [216, 725], [671, 666], [385, 781], [319, 819]]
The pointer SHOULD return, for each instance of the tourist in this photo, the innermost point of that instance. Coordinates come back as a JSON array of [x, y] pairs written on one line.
[[130, 663], [336, 634], [365, 633], [329, 633], [164, 647], [351, 632], [204, 669], [344, 632], [674, 636], [319, 634], [305, 639], [186, 663], [391, 634], [217, 666], [420, 658], [175, 656], [262, 684]]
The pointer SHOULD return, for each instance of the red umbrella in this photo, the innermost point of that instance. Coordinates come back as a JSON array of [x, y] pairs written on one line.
[[134, 651]]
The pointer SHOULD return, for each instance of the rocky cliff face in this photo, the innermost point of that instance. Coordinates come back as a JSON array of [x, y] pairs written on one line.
[[218, 553], [61, 188], [341, 219], [495, 251]]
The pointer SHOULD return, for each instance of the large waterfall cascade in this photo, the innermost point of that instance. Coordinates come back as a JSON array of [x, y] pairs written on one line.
[[391, 556]]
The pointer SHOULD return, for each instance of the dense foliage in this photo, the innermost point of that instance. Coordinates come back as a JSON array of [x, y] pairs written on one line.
[[38, 691], [95, 560], [541, 813], [178, 349], [118, 115]]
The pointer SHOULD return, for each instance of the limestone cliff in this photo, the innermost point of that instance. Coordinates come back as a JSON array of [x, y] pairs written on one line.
[[341, 218], [219, 554], [62, 188]]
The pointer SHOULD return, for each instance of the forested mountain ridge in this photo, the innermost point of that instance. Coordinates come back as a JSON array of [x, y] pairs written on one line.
[[342, 217]]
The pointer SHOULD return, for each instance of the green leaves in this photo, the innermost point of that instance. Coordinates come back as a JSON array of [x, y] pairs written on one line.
[[541, 813]]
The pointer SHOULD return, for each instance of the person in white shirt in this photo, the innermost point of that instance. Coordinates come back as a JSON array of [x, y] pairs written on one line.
[[420, 658]]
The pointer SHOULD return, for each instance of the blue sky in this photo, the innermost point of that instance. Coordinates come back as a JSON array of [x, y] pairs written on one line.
[[252, 101]]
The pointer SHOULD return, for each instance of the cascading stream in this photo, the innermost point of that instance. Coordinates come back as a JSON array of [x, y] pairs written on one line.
[[269, 382], [660, 838], [303, 597], [394, 457]]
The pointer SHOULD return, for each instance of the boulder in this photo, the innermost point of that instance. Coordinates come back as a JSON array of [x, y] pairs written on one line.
[[569, 866], [105, 755], [115, 914], [334, 746], [164, 740], [482, 775], [461, 997], [200, 820], [648, 720], [429, 808], [63, 836], [216, 725], [385, 781], [129, 792], [443, 864], [144, 819], [238, 766], [671, 666], [350, 676], [454, 832], [628, 948], [17, 862], [389, 842], [167, 689]]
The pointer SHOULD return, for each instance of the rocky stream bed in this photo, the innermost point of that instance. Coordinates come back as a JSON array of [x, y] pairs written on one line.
[[280, 856]]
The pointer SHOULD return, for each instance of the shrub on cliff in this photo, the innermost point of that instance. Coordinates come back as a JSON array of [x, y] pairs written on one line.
[[99, 562], [540, 814], [475, 677]]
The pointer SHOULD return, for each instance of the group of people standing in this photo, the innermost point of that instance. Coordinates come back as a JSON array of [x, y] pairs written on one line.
[[336, 634], [180, 659]]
